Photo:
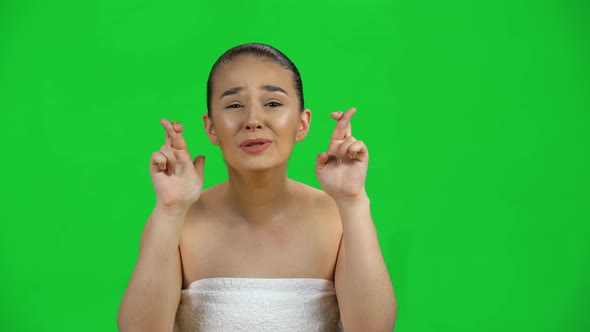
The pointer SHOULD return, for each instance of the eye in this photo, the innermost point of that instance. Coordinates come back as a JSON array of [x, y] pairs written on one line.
[[233, 106], [274, 104]]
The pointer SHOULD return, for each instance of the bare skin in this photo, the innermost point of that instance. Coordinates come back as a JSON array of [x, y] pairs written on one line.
[[302, 241], [259, 223]]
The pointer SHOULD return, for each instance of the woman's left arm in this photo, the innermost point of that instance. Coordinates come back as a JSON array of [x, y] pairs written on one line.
[[363, 287]]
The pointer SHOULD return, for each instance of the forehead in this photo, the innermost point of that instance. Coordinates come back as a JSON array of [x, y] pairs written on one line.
[[251, 71]]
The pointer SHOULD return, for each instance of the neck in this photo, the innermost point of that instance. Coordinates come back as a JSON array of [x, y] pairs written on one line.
[[259, 197]]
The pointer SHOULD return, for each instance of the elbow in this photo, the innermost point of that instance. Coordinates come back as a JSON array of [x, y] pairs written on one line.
[[127, 323], [123, 322], [382, 325], [382, 321], [390, 321], [126, 326], [389, 315]]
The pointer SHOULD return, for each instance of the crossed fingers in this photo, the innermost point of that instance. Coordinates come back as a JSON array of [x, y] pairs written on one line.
[[342, 132], [173, 137], [343, 146], [174, 147]]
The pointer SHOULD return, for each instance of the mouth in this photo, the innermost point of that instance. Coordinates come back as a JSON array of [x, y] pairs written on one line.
[[255, 145], [255, 142]]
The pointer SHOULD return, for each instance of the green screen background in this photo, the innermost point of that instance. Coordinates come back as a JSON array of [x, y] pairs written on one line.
[[475, 115]]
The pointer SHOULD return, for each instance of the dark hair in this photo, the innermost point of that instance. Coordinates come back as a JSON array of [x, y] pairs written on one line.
[[259, 50]]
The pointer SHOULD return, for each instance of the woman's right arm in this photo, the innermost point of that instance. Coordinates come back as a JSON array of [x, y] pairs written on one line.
[[151, 299], [152, 296]]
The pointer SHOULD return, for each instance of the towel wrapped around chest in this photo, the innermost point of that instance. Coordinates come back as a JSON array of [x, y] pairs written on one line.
[[258, 304]]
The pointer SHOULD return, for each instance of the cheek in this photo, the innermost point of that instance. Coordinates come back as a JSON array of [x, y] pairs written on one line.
[[226, 127], [287, 124]]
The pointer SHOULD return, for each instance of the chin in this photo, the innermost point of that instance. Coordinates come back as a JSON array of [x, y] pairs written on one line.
[[266, 160], [256, 164]]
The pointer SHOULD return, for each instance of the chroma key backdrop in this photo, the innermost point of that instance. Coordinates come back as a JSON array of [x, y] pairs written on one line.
[[475, 113]]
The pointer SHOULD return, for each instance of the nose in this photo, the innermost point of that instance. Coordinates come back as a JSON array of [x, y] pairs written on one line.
[[253, 125], [253, 121]]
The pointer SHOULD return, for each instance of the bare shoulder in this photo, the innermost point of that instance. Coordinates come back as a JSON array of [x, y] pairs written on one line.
[[317, 201], [200, 234], [209, 202], [315, 195], [323, 218], [204, 215]]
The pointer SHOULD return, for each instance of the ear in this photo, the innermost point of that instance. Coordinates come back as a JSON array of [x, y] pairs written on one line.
[[210, 130], [304, 122]]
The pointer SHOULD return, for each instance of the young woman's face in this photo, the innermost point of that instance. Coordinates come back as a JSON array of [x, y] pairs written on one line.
[[255, 116]]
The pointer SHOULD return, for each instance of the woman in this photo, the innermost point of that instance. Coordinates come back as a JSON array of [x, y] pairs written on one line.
[[259, 252]]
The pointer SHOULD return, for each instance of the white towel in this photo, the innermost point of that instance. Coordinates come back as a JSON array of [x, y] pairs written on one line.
[[258, 304]]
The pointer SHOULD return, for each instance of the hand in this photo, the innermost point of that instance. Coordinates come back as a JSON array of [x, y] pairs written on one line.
[[178, 180], [343, 169]]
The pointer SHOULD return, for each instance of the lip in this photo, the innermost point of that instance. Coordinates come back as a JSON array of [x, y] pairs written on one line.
[[255, 140], [263, 144]]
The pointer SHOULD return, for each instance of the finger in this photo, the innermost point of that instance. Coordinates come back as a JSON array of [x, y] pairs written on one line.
[[168, 139], [158, 162], [358, 151], [178, 127], [336, 115], [166, 150], [342, 130], [343, 149], [172, 126], [179, 155], [199, 164], [174, 130], [321, 160]]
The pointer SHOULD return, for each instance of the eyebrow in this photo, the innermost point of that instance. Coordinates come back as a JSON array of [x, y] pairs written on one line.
[[273, 88], [270, 88]]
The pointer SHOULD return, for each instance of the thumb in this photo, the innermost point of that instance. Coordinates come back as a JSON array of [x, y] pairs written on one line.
[[199, 164], [321, 160]]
